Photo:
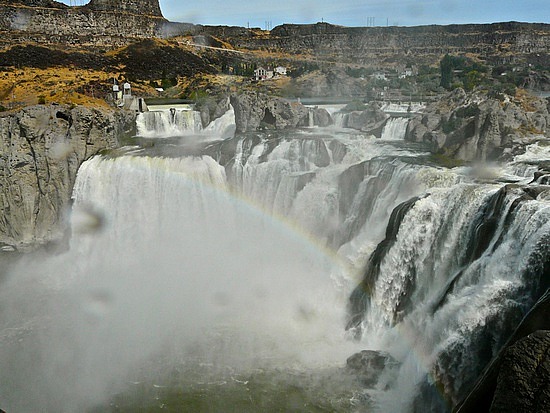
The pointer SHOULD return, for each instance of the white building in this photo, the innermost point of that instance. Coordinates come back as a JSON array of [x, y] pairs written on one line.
[[262, 73], [280, 71], [406, 72], [379, 76]]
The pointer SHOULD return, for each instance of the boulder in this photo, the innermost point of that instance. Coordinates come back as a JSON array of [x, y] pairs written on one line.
[[373, 367], [370, 120], [321, 117], [256, 110]]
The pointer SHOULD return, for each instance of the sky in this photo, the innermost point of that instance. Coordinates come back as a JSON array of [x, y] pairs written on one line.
[[271, 13]]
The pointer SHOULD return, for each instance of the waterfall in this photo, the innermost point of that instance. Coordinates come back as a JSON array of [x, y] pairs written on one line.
[[461, 270], [339, 119], [223, 274], [222, 128], [395, 128], [167, 122], [310, 118], [339, 201]]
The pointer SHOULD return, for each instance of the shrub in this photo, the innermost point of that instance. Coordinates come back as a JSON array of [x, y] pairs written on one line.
[[354, 106]]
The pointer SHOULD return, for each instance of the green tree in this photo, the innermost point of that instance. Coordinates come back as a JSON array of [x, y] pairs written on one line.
[[473, 79], [446, 67]]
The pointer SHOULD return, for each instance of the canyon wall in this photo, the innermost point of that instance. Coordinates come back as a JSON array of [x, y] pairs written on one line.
[[500, 42], [41, 149], [99, 23]]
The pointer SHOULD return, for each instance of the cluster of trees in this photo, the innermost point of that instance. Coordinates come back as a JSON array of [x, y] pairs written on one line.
[[459, 71]]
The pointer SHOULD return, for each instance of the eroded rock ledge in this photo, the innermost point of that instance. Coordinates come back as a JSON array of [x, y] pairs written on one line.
[[478, 126], [41, 149], [254, 111]]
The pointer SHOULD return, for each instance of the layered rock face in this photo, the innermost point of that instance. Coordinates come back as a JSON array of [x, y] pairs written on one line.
[[145, 7], [41, 149], [254, 111], [101, 22], [477, 127], [523, 384], [506, 42]]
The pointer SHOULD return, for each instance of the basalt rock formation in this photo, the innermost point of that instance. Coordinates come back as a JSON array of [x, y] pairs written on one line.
[[371, 120], [499, 42], [518, 379], [100, 23], [254, 111], [476, 126], [41, 149]]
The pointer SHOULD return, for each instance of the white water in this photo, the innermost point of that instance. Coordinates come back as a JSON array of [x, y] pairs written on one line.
[[432, 239], [165, 122], [177, 263], [170, 257], [168, 122], [395, 128]]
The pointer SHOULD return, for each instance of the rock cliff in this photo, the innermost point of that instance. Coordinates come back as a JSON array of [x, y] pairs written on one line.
[[499, 42], [477, 126], [523, 385], [99, 23], [517, 380], [41, 149], [256, 110]]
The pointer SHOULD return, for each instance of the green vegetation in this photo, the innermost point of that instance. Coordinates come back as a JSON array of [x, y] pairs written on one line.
[[450, 125], [304, 68], [361, 72], [446, 161], [459, 71]]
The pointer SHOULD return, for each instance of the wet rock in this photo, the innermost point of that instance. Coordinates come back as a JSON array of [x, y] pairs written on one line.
[[373, 367], [517, 374], [371, 120], [523, 384], [321, 117]]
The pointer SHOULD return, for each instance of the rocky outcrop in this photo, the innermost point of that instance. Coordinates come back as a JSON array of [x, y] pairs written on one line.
[[255, 110], [499, 42], [520, 372], [105, 23], [41, 149], [371, 367], [142, 7], [523, 385], [211, 109], [480, 127], [370, 120]]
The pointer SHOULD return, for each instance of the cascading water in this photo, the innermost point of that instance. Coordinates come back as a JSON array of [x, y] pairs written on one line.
[[221, 278], [168, 122], [395, 128]]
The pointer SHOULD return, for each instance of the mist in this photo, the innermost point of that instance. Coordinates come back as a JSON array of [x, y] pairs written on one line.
[[166, 267]]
